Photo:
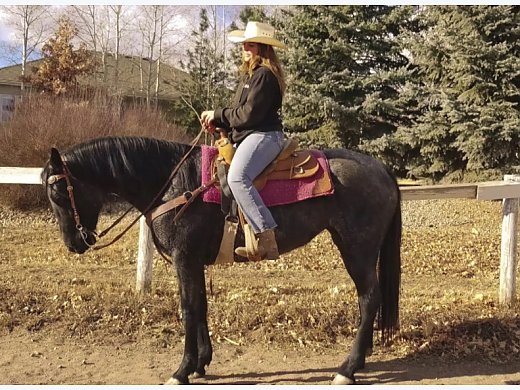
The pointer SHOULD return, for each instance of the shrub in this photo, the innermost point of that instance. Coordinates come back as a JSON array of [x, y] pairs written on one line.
[[42, 121]]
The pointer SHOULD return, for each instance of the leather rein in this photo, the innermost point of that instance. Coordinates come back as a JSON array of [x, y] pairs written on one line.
[[150, 212]]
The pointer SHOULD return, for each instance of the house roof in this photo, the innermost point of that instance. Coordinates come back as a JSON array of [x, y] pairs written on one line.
[[132, 78], [10, 75]]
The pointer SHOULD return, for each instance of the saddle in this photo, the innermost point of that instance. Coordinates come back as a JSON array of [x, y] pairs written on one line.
[[289, 164]]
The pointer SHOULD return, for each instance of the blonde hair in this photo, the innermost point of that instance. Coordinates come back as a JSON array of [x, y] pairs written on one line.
[[266, 57]]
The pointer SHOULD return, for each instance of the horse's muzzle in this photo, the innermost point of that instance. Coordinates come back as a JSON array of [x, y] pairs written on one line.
[[82, 243], [76, 250]]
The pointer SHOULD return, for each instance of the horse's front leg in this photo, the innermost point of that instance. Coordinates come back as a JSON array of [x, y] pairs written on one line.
[[205, 350], [193, 303]]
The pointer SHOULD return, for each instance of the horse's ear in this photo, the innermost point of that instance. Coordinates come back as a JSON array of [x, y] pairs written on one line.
[[55, 159]]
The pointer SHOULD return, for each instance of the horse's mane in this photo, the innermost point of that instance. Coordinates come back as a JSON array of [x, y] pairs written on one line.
[[128, 157]]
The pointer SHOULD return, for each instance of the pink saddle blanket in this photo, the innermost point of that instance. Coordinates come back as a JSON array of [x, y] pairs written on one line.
[[275, 192]]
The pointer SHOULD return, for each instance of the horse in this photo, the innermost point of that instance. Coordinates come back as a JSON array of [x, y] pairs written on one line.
[[363, 216]]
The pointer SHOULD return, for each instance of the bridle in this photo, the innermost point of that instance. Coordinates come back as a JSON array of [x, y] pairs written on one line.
[[70, 190]]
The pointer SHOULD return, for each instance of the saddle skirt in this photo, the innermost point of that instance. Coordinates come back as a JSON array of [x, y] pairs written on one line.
[[304, 175]]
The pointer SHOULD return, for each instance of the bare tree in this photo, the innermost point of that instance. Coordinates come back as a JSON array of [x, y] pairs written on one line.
[[93, 29], [148, 26], [30, 29], [156, 24], [117, 10], [86, 21], [103, 29]]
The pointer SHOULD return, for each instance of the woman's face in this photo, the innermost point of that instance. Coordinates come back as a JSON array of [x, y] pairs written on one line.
[[249, 49]]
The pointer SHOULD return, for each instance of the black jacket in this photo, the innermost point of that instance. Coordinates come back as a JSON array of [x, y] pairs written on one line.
[[256, 106]]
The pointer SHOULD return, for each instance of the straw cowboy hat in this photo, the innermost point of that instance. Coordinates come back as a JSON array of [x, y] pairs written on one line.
[[256, 32]]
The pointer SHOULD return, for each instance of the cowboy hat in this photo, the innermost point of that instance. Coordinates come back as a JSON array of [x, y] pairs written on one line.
[[256, 32]]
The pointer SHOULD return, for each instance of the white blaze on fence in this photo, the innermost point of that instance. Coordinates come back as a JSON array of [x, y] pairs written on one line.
[[508, 190]]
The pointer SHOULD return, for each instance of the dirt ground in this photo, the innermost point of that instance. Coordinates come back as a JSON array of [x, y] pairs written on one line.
[[27, 359], [69, 319]]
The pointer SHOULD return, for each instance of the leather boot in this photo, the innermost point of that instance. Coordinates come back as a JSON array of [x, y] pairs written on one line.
[[267, 247], [250, 251]]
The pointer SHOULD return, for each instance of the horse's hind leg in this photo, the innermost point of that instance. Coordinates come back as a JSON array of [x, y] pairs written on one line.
[[360, 261]]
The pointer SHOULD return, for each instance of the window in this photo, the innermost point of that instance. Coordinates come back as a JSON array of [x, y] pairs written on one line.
[[7, 103]]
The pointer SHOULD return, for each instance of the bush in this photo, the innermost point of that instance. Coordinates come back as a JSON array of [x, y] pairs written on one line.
[[41, 122]]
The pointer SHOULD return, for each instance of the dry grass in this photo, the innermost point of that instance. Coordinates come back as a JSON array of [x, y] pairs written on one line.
[[304, 300]]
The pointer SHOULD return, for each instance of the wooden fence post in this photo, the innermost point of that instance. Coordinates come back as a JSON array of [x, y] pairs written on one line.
[[506, 295], [144, 258]]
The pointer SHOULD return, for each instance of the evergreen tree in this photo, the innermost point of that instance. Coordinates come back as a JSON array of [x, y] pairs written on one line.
[[343, 67], [205, 87], [465, 92], [61, 64]]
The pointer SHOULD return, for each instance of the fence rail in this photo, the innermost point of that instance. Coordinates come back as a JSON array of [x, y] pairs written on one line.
[[12, 175], [508, 190]]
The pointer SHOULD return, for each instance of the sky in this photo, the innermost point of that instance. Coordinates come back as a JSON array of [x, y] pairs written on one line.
[[4, 36], [4, 30], [185, 23]]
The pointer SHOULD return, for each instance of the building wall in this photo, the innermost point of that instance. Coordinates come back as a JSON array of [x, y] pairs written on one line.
[[6, 89]]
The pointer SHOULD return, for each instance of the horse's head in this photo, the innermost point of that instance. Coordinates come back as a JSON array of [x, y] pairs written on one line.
[[76, 204]]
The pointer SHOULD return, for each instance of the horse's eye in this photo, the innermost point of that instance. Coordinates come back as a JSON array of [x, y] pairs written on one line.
[[60, 197]]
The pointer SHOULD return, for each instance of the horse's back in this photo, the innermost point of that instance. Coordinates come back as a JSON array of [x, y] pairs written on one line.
[[350, 166], [363, 186]]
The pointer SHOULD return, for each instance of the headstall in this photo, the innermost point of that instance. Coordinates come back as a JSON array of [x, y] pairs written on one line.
[[70, 190]]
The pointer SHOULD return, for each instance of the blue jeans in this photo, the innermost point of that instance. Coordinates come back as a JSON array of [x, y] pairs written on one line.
[[253, 154]]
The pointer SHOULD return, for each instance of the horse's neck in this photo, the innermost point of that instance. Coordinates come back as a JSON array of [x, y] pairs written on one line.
[[151, 168]]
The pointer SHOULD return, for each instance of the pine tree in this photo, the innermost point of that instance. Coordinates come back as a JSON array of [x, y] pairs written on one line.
[[205, 88], [61, 64], [342, 64], [465, 92]]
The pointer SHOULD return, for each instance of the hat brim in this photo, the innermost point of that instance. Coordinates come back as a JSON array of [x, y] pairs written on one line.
[[237, 36]]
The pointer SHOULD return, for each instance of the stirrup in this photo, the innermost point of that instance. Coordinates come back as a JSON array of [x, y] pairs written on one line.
[[250, 251]]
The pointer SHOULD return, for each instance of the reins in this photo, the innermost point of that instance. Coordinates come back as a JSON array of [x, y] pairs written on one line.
[[151, 204]]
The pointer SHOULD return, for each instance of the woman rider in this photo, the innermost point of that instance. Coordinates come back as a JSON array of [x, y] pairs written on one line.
[[255, 128]]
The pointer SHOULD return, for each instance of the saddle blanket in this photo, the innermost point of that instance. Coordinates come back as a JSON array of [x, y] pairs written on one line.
[[276, 192]]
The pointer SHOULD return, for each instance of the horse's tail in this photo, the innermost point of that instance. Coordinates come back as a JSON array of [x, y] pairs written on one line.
[[390, 274]]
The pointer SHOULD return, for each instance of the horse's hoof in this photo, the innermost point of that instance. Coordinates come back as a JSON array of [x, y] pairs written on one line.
[[197, 375], [173, 381], [342, 380]]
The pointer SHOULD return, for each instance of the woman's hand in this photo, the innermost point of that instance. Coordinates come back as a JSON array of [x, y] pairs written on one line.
[[207, 120]]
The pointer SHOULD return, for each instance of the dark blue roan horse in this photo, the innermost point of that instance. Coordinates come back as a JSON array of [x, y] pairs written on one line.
[[363, 217]]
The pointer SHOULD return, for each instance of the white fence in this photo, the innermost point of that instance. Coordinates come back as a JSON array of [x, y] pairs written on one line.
[[508, 190]]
